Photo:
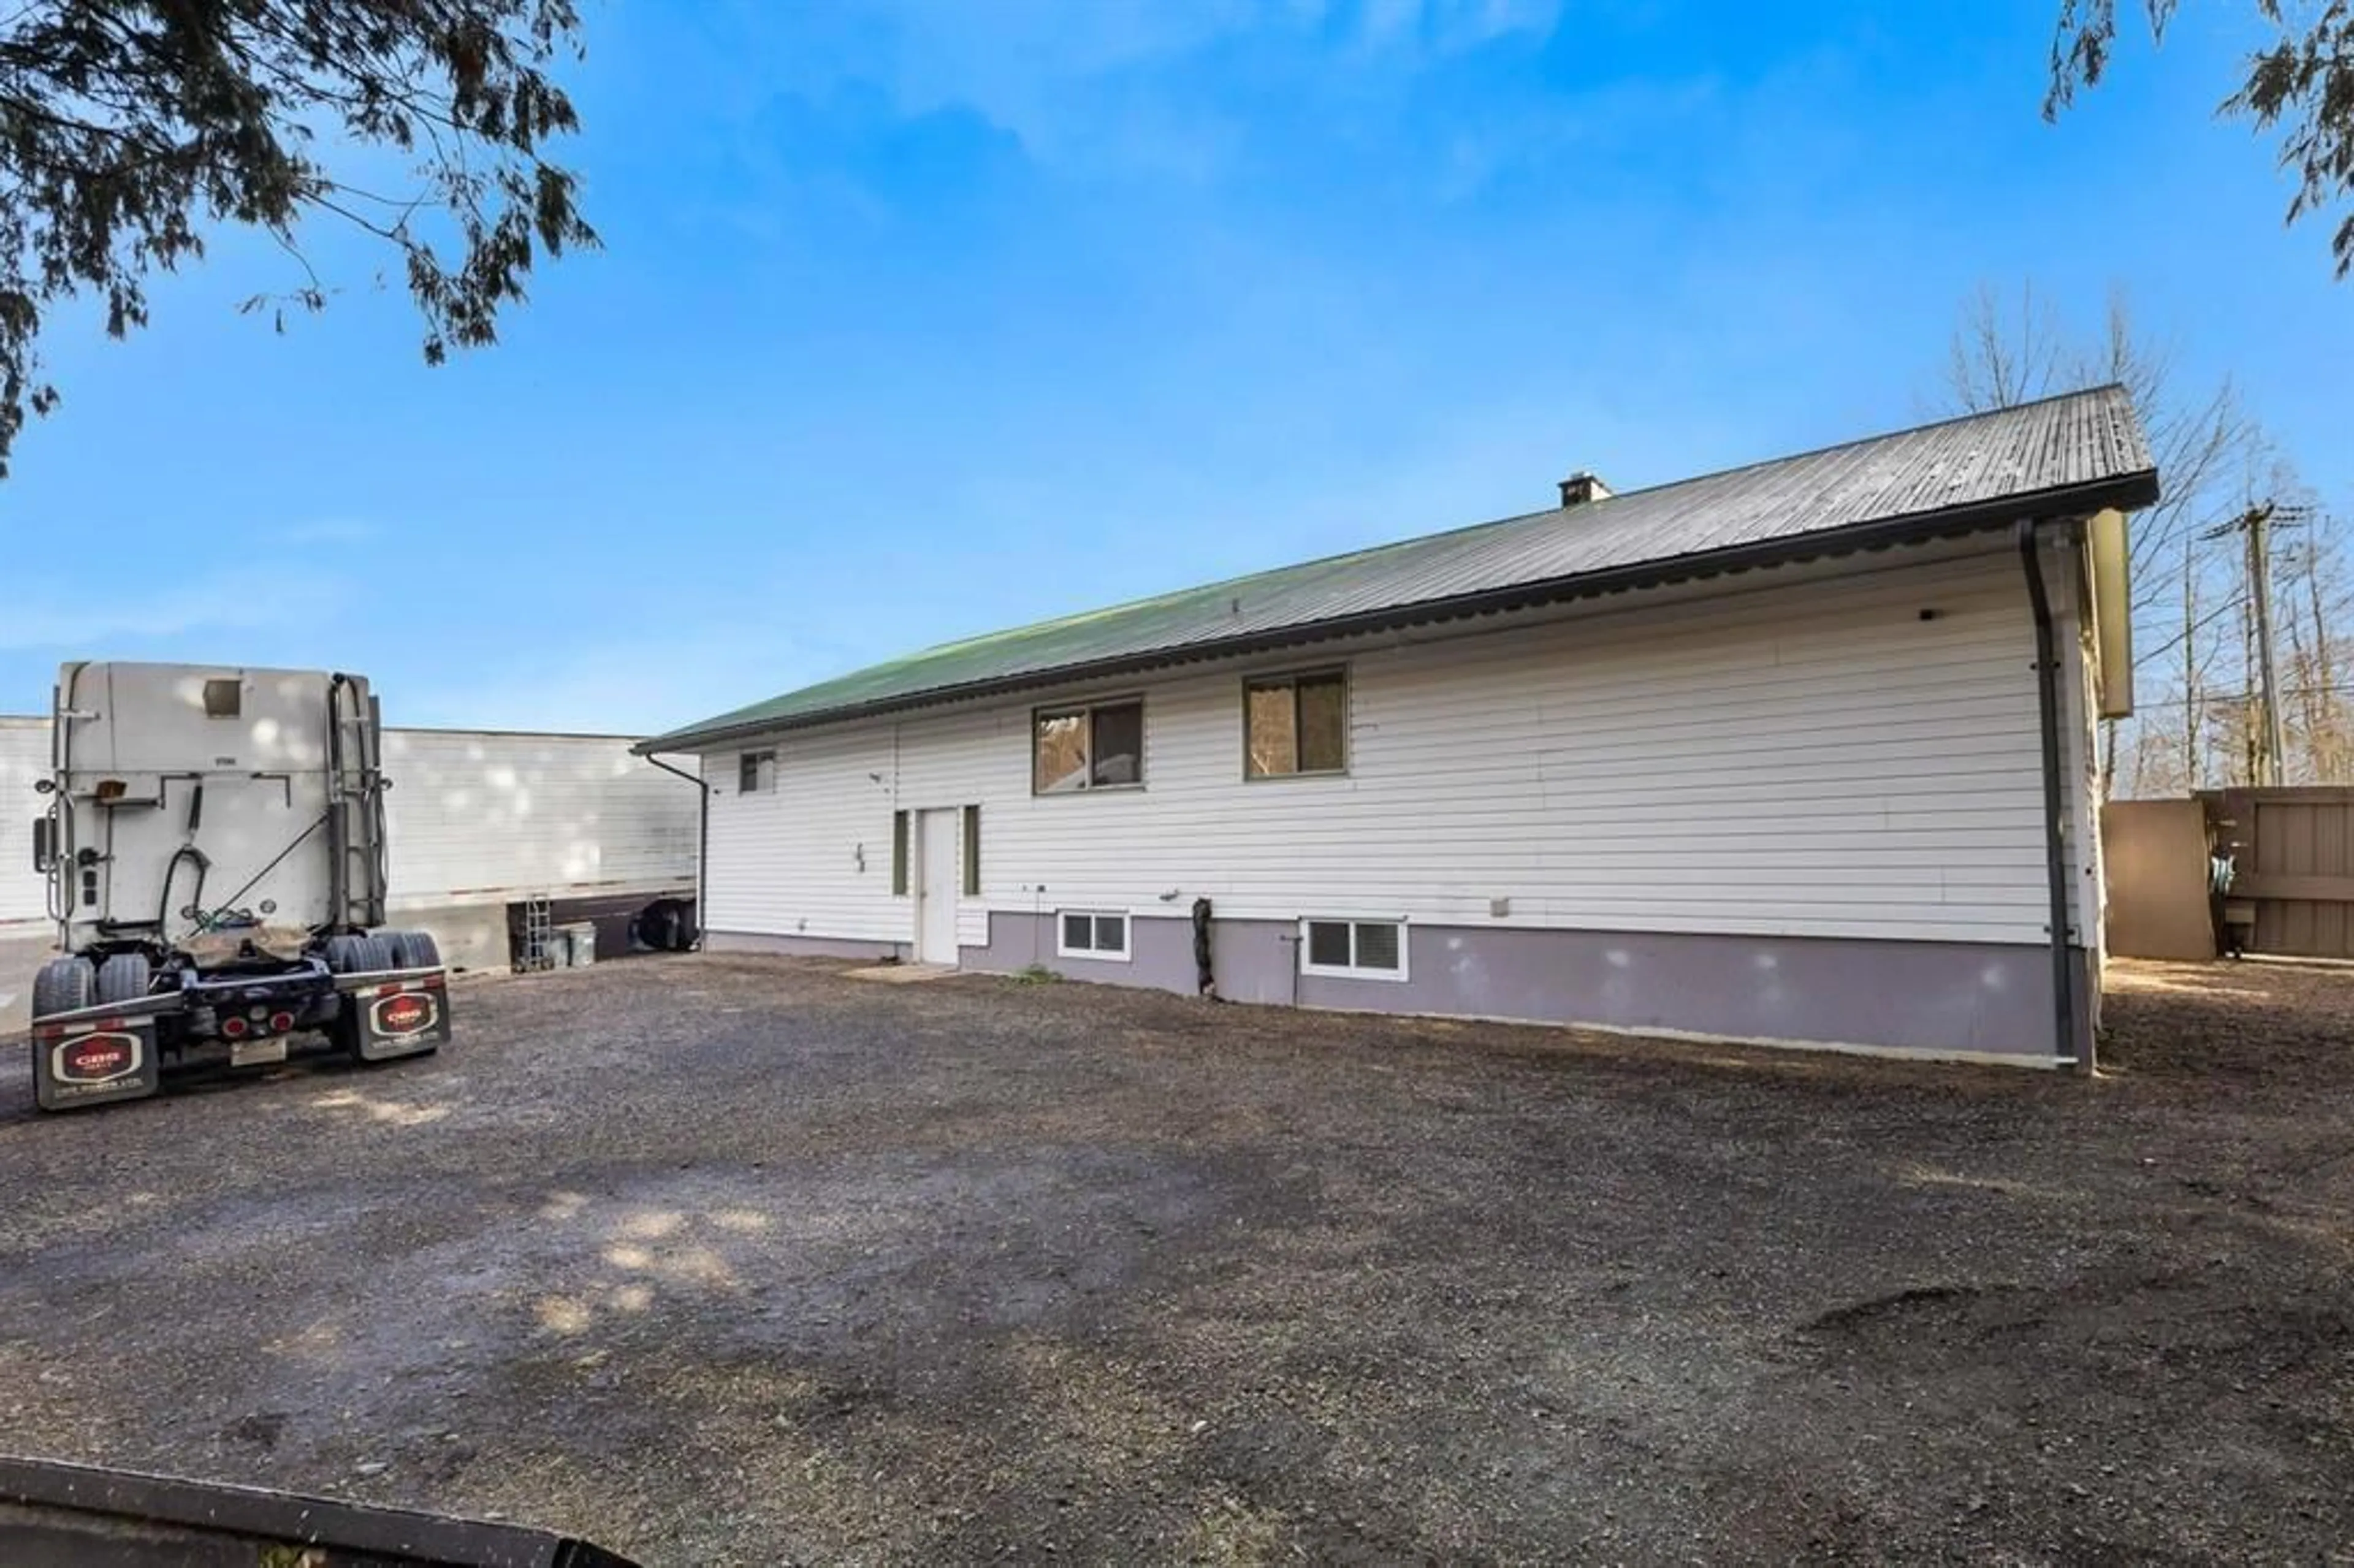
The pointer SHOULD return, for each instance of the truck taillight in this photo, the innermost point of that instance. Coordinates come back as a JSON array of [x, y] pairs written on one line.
[[234, 1027], [280, 1022]]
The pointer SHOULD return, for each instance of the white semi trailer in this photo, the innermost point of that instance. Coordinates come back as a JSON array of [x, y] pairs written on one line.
[[214, 846]]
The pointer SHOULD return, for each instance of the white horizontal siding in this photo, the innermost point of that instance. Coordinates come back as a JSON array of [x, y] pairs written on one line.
[[1807, 756], [825, 834]]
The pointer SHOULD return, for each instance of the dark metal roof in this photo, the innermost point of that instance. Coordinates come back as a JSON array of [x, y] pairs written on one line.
[[2069, 454]]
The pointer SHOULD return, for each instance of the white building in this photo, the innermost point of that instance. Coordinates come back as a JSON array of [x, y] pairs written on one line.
[[1762, 755]]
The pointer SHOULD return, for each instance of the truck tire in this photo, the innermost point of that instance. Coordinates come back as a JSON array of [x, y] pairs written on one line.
[[126, 977], [358, 954], [411, 949], [64, 985], [664, 926], [656, 925]]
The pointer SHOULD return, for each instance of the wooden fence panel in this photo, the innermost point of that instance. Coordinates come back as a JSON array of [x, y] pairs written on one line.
[[2294, 851]]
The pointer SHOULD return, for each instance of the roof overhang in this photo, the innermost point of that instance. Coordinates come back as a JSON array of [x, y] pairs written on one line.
[[2124, 493]]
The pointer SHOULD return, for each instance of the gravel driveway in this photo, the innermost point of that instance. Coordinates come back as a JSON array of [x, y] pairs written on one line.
[[725, 1260]]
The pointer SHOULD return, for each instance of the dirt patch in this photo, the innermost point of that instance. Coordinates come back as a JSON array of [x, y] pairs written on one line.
[[2222, 1027], [740, 1261]]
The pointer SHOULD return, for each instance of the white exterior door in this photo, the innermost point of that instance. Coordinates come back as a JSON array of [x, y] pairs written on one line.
[[936, 884]]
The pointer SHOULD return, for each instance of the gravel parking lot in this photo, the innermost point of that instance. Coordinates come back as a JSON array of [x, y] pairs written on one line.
[[723, 1260]]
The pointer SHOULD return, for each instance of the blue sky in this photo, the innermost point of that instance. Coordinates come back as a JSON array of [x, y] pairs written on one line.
[[918, 319]]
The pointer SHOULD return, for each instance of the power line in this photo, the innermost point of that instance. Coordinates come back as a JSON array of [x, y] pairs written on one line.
[[2338, 689], [2231, 606]]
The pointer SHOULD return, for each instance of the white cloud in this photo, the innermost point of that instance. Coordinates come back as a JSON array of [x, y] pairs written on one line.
[[1096, 87]]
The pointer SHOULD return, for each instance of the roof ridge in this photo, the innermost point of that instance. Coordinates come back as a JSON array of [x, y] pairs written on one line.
[[1146, 601], [1923, 427], [1927, 484]]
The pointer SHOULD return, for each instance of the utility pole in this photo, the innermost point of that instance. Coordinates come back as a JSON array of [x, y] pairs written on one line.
[[2259, 589], [2266, 747]]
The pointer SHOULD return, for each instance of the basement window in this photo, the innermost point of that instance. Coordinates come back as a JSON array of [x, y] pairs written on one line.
[[1091, 934], [1099, 746], [756, 772], [1296, 725], [1353, 950]]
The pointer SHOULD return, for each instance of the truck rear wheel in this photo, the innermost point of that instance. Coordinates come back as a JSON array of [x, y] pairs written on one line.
[[358, 954], [101, 1060], [126, 977], [64, 985], [664, 926], [411, 949]]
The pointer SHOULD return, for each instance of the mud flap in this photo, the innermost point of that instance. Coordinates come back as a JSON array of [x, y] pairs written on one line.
[[399, 1018], [93, 1061]]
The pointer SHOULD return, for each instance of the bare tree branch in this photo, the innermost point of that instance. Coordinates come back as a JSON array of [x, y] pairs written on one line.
[[2187, 590]]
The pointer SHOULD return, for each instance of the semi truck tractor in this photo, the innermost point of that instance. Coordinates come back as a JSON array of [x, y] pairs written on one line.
[[214, 842]]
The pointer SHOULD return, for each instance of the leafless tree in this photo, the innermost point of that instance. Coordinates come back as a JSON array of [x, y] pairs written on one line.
[[2003, 355], [2312, 605], [2207, 729], [2203, 441]]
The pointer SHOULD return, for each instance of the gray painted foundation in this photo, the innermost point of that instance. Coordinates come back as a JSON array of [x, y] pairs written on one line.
[[1949, 999], [1160, 952], [1928, 997], [807, 946]]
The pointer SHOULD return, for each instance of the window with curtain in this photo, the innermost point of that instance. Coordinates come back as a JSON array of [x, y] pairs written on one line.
[[1295, 725]]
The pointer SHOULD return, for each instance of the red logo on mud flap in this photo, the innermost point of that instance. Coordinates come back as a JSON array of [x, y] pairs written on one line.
[[95, 1058], [404, 1014]]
